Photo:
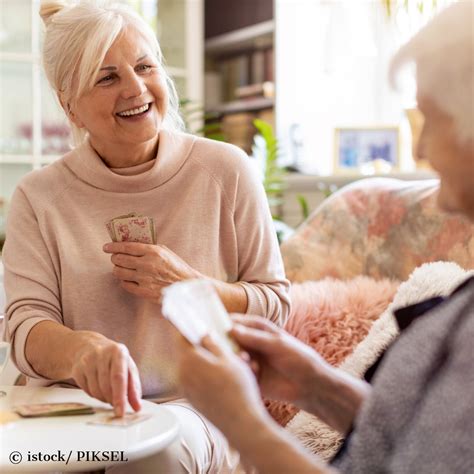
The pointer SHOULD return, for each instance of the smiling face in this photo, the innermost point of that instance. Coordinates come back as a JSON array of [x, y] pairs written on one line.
[[454, 162], [126, 106]]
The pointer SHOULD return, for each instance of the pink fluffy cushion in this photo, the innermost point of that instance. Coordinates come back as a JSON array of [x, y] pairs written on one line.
[[333, 316]]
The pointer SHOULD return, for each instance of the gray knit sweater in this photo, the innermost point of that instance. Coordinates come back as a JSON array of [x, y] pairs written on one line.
[[420, 417]]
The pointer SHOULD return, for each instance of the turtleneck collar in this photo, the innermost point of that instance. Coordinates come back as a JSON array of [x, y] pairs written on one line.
[[173, 150]]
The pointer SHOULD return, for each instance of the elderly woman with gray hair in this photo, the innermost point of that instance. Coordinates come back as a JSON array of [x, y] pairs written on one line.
[[418, 416], [84, 312]]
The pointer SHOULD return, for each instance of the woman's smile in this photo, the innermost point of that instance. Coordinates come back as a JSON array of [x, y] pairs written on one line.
[[136, 114]]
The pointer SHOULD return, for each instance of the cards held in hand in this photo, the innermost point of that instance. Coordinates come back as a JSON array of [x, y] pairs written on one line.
[[132, 228], [53, 409], [195, 309]]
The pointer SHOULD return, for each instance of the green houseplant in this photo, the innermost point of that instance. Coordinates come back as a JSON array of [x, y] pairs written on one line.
[[273, 174]]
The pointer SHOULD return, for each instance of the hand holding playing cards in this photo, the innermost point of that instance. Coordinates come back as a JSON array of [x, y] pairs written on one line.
[[105, 370], [287, 367], [144, 269], [292, 371], [220, 385]]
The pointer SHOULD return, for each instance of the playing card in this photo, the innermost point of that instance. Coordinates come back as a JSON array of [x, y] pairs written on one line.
[[127, 420], [8, 417], [194, 308], [110, 227], [132, 227], [53, 409]]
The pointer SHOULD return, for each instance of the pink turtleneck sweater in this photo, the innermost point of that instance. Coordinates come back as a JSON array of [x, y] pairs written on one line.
[[209, 209]]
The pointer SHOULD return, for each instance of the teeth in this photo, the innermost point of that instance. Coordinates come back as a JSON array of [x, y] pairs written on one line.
[[139, 110]]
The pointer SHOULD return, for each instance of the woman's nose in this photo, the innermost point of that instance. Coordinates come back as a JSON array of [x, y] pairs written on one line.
[[133, 85]]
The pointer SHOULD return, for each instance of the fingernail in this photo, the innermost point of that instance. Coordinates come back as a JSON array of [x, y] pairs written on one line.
[[106, 247]]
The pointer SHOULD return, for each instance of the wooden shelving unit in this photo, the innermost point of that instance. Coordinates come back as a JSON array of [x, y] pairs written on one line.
[[250, 37], [239, 64]]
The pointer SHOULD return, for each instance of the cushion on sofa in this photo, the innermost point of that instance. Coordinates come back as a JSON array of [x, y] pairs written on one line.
[[333, 316]]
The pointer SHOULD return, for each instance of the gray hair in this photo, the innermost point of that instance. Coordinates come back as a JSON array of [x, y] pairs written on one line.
[[78, 36], [443, 52]]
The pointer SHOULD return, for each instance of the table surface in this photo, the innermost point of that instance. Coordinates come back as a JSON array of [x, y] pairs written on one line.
[[72, 436]]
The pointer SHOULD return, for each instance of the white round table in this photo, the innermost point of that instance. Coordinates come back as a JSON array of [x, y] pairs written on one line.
[[70, 437]]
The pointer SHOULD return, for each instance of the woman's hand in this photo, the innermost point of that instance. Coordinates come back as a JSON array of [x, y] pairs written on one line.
[[144, 269], [221, 386], [105, 370], [286, 367]]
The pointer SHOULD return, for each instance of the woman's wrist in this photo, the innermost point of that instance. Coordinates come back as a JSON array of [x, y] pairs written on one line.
[[78, 341], [334, 396], [255, 420], [232, 295], [52, 349]]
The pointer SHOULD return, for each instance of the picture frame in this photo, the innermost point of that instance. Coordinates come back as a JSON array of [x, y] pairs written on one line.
[[366, 150]]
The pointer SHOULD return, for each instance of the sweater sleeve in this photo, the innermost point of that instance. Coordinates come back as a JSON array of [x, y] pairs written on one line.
[[261, 272], [440, 435], [31, 280]]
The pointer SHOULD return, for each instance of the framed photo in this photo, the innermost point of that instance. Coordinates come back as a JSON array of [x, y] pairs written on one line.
[[368, 150]]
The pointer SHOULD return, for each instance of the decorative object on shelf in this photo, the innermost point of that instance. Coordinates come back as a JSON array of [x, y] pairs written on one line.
[[56, 136], [297, 147], [366, 150]]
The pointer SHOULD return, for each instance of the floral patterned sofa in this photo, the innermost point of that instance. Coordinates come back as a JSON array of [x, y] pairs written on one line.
[[379, 227]]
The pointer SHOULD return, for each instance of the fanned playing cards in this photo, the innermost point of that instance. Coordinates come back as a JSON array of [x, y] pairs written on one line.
[[132, 228], [194, 308]]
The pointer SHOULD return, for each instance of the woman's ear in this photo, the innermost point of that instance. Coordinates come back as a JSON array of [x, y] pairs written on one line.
[[66, 105]]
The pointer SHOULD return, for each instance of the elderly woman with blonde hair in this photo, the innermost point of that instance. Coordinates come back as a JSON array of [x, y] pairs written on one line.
[[418, 416], [81, 313]]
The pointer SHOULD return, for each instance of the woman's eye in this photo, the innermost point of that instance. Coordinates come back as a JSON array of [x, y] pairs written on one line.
[[143, 67], [105, 79]]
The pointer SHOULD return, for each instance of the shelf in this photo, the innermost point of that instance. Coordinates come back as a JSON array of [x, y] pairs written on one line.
[[259, 35], [248, 105], [16, 159]]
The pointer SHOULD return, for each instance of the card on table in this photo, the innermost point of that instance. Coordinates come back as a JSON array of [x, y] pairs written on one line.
[[132, 227], [127, 420], [8, 417], [195, 309], [53, 409]]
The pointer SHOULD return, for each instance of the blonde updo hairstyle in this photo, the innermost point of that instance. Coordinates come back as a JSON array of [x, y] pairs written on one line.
[[443, 53], [77, 38]]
